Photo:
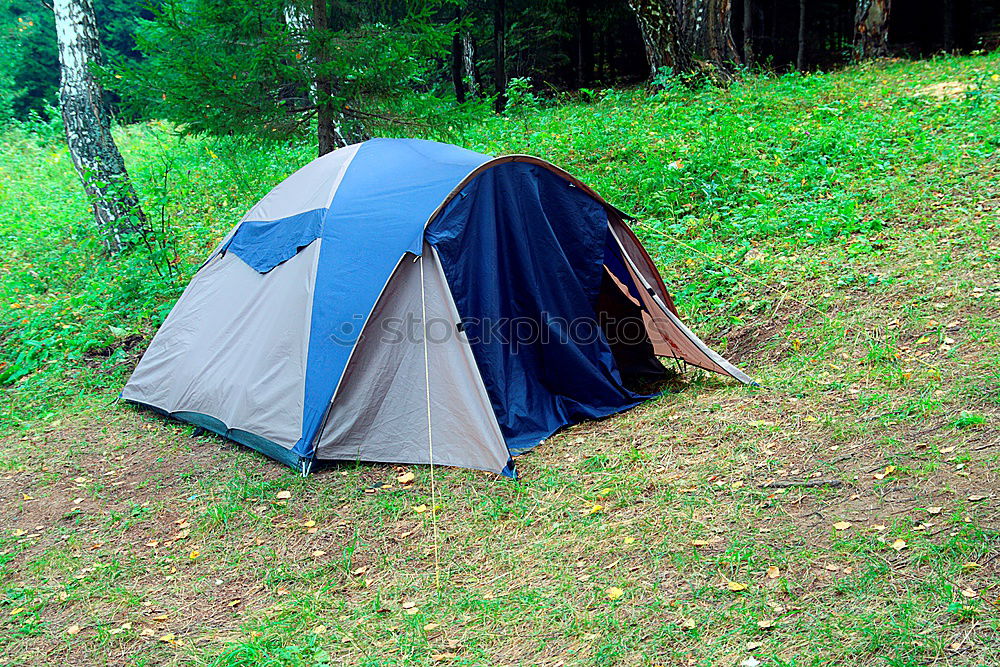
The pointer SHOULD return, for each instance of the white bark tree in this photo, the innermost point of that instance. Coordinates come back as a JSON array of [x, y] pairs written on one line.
[[88, 127]]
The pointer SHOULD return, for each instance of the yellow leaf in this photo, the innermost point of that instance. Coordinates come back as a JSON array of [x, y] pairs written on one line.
[[194, 555], [283, 495], [773, 572], [614, 593], [842, 525], [699, 543], [405, 478], [420, 509], [971, 566], [735, 586], [595, 509], [168, 638], [899, 545], [15, 612], [628, 540], [319, 630]]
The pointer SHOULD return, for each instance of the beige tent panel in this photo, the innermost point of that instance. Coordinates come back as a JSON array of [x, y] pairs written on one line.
[[670, 337], [379, 412]]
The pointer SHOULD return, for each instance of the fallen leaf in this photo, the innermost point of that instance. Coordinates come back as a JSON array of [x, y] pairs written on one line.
[[971, 566], [773, 572], [614, 593], [699, 543], [168, 638], [628, 540], [194, 555], [430, 626], [750, 662], [751, 646], [73, 630], [934, 510], [688, 624], [969, 593], [899, 545], [842, 525], [411, 611], [319, 630], [438, 657], [595, 509], [765, 624], [283, 495], [735, 586], [308, 524], [409, 604], [977, 498], [405, 478], [318, 553], [946, 450], [420, 509], [361, 570]]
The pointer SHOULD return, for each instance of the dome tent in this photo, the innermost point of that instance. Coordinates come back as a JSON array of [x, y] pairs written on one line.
[[400, 287]]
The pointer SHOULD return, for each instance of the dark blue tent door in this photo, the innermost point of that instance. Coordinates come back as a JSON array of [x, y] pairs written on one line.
[[524, 253]]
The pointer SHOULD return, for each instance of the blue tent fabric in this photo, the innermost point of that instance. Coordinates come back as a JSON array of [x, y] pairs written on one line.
[[264, 244], [378, 213], [524, 253]]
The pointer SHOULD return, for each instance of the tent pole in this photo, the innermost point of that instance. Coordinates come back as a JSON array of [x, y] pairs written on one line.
[[430, 430]]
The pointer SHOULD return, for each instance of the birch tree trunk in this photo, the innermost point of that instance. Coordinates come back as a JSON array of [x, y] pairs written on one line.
[[678, 33], [88, 127], [660, 27], [706, 29], [871, 28], [469, 72]]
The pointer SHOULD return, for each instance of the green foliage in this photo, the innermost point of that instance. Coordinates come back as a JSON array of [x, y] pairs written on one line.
[[29, 58], [236, 67]]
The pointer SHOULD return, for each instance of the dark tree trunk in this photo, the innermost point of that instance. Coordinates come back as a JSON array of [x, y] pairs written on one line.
[[584, 44], [326, 127], [660, 27], [948, 25], [88, 127], [500, 53], [800, 58], [748, 32], [871, 28]]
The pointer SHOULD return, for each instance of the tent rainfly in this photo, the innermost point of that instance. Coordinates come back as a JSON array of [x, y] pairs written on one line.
[[408, 301]]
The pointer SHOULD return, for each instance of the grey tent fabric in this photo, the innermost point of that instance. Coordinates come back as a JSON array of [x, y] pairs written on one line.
[[199, 360], [379, 412]]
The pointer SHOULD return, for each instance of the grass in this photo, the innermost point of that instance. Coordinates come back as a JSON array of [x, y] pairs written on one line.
[[835, 234]]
